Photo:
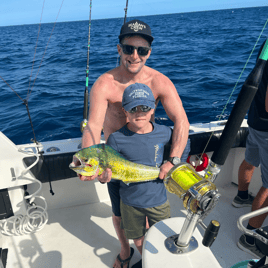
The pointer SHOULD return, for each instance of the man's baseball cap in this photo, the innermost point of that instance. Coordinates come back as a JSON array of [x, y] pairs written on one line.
[[137, 94], [136, 27]]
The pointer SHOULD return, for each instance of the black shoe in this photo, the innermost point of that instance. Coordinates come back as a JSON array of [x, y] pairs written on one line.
[[137, 264], [238, 202]]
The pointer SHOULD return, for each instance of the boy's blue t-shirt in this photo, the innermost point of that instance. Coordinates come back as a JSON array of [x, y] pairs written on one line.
[[146, 149]]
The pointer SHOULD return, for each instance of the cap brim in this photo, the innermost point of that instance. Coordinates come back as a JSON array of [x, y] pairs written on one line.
[[145, 36], [136, 103]]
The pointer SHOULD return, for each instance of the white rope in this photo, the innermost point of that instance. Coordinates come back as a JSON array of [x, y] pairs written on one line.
[[36, 215]]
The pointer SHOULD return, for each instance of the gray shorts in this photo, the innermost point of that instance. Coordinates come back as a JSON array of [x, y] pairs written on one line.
[[134, 219], [257, 152]]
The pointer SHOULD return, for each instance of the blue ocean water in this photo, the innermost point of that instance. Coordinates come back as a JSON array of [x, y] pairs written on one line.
[[203, 53]]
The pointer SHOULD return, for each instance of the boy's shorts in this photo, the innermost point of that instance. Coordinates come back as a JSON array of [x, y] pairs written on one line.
[[257, 152], [134, 219], [114, 185]]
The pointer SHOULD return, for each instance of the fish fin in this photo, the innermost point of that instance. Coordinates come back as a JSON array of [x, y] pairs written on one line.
[[126, 182]]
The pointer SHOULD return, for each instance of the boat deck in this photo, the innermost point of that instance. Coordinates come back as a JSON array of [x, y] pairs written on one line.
[[83, 236]]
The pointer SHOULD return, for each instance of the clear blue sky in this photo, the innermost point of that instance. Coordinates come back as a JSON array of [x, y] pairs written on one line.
[[18, 12]]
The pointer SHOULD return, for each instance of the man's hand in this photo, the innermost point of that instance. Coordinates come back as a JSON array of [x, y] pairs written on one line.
[[164, 169], [104, 177], [87, 178]]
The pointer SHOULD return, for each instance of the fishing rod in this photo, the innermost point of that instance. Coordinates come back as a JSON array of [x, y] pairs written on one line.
[[126, 12], [85, 112]]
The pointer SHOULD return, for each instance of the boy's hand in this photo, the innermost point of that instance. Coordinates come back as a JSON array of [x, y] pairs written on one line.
[[164, 169]]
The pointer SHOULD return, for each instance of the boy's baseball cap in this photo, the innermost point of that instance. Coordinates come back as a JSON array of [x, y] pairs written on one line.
[[137, 94], [136, 27]]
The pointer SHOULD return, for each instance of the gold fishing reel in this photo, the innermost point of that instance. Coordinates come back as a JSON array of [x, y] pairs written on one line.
[[199, 195]]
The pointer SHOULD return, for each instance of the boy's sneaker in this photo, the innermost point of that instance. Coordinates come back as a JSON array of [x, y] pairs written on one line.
[[251, 249], [238, 202]]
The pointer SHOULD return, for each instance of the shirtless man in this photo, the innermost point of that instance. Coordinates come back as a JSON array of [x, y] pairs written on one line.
[[106, 104]]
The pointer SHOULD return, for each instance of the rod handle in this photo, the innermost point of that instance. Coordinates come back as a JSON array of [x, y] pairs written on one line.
[[211, 233]]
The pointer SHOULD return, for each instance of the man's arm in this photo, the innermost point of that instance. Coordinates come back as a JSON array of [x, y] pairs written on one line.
[[175, 111], [97, 110]]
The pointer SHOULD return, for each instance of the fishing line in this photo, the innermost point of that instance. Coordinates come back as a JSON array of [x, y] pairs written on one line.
[[234, 88], [12, 89], [25, 101], [36, 47], [28, 95]]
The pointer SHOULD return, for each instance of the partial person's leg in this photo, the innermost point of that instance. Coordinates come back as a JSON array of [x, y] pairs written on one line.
[[257, 139], [245, 173], [125, 248], [260, 201], [125, 252], [134, 223], [139, 243], [247, 243]]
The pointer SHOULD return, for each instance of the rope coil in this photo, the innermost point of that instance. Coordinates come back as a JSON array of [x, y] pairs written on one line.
[[36, 215]]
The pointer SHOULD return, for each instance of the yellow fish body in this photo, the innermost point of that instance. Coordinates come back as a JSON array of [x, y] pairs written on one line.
[[102, 156]]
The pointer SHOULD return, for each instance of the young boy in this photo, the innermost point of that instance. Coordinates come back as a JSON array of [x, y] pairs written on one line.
[[140, 141]]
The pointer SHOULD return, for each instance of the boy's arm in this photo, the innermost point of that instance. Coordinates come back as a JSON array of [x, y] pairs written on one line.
[[175, 111]]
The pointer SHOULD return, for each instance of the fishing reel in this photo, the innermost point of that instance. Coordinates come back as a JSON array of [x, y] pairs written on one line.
[[199, 196], [83, 125]]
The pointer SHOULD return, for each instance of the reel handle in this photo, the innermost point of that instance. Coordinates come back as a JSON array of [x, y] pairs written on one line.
[[211, 233]]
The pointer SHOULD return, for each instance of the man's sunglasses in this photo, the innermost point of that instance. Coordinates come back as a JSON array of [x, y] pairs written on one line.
[[129, 50], [143, 108]]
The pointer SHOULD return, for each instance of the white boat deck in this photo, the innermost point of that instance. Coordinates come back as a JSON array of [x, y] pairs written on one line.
[[83, 236]]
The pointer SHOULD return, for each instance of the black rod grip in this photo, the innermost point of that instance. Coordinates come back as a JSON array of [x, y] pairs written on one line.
[[211, 233]]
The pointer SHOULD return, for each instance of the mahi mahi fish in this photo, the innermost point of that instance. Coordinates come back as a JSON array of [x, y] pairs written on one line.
[[102, 156]]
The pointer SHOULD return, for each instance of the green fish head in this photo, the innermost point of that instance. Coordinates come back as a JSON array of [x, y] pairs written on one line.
[[85, 162]]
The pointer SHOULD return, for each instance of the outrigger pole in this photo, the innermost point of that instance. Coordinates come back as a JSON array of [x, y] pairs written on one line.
[[85, 112]]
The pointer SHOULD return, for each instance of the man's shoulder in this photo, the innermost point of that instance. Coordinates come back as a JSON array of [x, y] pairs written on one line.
[[104, 84], [158, 81], [106, 78], [154, 73]]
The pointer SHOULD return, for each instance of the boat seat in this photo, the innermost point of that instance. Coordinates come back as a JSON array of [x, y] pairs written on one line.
[[199, 140], [52, 167]]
